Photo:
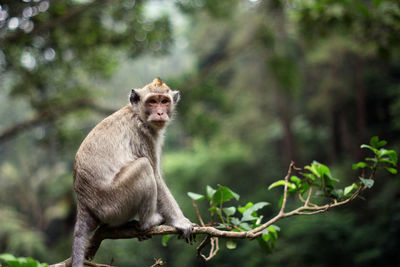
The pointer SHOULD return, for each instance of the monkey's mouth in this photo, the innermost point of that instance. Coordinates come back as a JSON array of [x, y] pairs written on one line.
[[159, 122]]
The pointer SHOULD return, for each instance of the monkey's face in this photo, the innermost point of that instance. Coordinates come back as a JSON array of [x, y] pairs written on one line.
[[158, 109], [155, 103]]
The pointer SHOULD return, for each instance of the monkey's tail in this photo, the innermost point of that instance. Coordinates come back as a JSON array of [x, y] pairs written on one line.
[[85, 223]]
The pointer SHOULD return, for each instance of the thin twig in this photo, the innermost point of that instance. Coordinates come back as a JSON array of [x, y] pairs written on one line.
[[286, 188], [196, 208], [202, 245], [158, 262], [214, 248], [308, 197], [310, 213], [304, 201]]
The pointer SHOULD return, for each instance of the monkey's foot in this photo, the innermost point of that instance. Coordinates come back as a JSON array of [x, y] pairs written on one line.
[[136, 225]]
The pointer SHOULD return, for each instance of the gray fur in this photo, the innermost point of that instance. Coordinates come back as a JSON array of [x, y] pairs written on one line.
[[117, 172]]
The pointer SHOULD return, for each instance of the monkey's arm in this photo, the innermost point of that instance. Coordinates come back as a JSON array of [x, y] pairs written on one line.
[[170, 210]]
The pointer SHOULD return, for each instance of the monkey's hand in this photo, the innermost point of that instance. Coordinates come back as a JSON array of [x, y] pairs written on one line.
[[186, 227]]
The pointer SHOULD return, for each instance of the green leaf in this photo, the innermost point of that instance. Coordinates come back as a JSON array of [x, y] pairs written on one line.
[[277, 228], [268, 238], [309, 175], [391, 154], [332, 179], [212, 209], [265, 234], [195, 196], [367, 182], [381, 143], [312, 170], [280, 203], [210, 192], [13, 263], [165, 239], [282, 182], [295, 180], [376, 151], [250, 213], [273, 232], [391, 170], [318, 169], [223, 194], [304, 188], [385, 160], [336, 193], [222, 226], [322, 169], [371, 159], [242, 209], [374, 141], [10, 260], [7, 257], [29, 262], [231, 243], [361, 164], [229, 211], [264, 243], [350, 188], [245, 226], [235, 221]]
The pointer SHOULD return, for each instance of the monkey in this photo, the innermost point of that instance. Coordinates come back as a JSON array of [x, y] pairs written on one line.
[[117, 173]]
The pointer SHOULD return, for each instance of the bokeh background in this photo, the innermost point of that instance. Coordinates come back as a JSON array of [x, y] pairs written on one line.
[[262, 83]]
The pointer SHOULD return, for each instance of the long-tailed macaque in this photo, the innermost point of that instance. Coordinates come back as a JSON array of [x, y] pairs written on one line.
[[117, 169]]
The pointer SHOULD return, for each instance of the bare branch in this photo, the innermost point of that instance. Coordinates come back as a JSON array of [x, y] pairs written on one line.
[[159, 262], [286, 188], [202, 245], [49, 115], [308, 197], [196, 208]]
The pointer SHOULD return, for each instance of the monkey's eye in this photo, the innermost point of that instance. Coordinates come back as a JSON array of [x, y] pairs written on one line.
[[164, 101], [153, 101]]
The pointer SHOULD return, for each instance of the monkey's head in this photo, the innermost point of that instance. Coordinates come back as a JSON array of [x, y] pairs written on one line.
[[155, 103]]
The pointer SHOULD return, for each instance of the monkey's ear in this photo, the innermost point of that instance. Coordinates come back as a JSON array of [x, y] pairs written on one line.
[[134, 97], [176, 96]]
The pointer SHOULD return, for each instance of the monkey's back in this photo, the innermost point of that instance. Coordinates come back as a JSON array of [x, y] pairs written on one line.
[[106, 149]]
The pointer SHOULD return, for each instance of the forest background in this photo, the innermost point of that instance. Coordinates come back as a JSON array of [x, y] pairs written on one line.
[[262, 83]]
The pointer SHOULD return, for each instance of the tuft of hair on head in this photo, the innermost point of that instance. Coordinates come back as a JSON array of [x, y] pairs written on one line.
[[157, 86], [158, 82]]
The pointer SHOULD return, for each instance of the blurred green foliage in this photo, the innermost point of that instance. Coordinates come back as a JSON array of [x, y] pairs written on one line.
[[268, 82]]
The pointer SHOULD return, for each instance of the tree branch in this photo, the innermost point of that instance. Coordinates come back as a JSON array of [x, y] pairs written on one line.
[[130, 231], [49, 115], [125, 232]]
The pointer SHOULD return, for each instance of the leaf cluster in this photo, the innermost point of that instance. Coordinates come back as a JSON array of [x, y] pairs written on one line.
[[8, 260], [319, 175], [315, 176], [383, 158], [237, 218]]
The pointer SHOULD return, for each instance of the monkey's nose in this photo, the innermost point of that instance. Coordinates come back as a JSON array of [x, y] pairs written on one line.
[[160, 113]]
